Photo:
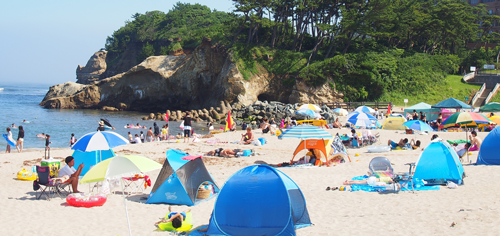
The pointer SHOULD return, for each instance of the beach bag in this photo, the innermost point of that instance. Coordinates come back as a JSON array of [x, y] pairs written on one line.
[[182, 125], [256, 143], [36, 185]]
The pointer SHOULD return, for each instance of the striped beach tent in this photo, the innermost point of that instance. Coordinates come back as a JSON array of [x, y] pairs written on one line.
[[306, 132]]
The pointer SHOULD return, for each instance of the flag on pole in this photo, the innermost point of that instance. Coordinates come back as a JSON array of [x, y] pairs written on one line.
[[389, 109], [229, 122], [166, 116]]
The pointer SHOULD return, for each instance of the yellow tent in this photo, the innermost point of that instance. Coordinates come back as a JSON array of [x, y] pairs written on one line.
[[394, 123]]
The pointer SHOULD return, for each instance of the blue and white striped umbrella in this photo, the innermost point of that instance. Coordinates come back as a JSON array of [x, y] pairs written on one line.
[[361, 119], [98, 141], [306, 132], [365, 109], [418, 125]]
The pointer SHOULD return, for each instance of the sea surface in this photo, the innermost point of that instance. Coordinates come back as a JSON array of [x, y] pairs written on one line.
[[20, 102]]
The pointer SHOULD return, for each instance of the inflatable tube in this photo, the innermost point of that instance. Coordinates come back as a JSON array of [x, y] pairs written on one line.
[[82, 200], [186, 225], [26, 175], [9, 141], [107, 128], [216, 131], [379, 148]]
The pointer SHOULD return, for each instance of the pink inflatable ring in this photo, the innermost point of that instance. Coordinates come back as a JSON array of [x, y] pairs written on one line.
[[82, 200]]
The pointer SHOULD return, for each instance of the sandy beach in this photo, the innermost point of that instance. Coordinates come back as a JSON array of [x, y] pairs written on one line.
[[471, 209]]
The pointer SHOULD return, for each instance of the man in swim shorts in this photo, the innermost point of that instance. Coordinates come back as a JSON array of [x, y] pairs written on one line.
[[401, 143]]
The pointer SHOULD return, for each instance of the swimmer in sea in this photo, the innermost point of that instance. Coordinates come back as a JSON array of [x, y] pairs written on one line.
[[14, 125]]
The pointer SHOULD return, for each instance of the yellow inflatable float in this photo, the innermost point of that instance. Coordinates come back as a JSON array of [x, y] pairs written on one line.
[[186, 225], [26, 175]]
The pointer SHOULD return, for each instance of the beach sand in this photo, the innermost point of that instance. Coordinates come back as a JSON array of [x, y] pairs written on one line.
[[471, 209]]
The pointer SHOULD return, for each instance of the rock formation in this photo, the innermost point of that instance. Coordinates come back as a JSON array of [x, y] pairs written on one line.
[[206, 78], [91, 72]]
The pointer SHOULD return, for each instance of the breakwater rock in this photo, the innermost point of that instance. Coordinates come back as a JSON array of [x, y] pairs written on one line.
[[251, 114]]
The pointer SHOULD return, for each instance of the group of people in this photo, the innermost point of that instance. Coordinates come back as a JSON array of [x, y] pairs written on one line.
[[20, 139], [153, 134], [404, 144]]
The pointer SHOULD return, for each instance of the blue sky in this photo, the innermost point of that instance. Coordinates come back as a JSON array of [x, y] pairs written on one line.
[[44, 41]]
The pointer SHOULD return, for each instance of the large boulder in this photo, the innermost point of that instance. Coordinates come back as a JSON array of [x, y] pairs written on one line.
[[95, 67]]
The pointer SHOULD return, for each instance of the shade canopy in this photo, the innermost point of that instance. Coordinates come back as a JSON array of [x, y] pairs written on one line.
[[306, 132], [452, 103], [99, 141], [119, 166], [490, 107], [365, 109]]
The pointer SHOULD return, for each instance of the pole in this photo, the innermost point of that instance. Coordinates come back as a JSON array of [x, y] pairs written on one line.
[[467, 139], [126, 211]]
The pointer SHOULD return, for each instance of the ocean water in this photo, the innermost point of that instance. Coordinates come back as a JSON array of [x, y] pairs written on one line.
[[20, 102]]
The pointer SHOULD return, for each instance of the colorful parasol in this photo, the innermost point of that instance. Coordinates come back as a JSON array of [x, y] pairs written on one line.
[[468, 119]]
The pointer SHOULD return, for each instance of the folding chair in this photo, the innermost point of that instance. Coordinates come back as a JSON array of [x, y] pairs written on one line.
[[381, 164], [46, 187]]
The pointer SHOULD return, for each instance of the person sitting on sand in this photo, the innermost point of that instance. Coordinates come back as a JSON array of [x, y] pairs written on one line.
[[462, 151], [401, 143], [475, 141], [177, 218], [248, 137], [178, 136], [337, 124], [69, 172], [136, 139]]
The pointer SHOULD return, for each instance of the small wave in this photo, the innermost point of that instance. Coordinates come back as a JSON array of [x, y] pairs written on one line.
[[1, 89]]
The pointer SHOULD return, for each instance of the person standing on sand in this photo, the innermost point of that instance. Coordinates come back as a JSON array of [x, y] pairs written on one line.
[[72, 141], [187, 126], [149, 135], [47, 146], [156, 132], [20, 139], [9, 136]]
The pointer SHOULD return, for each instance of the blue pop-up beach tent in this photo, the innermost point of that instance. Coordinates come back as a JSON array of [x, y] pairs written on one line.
[[180, 179], [439, 161], [90, 159], [490, 149], [258, 200]]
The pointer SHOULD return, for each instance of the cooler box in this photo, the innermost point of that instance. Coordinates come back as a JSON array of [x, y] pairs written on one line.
[[54, 166]]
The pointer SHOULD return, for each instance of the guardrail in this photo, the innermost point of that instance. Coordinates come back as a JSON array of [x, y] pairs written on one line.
[[487, 100], [478, 94], [353, 105], [469, 76]]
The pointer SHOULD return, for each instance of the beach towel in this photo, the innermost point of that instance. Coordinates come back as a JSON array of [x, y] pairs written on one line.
[[418, 185]]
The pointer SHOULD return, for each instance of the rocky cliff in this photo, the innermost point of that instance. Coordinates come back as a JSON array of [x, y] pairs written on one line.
[[199, 80], [91, 72]]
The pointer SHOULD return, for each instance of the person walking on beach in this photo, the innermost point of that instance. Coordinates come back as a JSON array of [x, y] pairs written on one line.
[[187, 126], [142, 137], [9, 136], [20, 139], [47, 146]]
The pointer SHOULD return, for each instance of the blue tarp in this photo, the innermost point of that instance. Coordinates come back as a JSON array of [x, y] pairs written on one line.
[[490, 149], [439, 162], [258, 200], [452, 103]]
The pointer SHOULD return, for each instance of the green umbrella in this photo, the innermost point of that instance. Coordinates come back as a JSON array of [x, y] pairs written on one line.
[[117, 167], [490, 107]]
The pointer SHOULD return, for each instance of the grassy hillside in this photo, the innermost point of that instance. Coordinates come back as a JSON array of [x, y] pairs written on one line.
[[453, 87]]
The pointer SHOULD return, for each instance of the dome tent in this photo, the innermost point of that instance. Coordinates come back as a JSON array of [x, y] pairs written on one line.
[[179, 180], [258, 200], [439, 162], [488, 153]]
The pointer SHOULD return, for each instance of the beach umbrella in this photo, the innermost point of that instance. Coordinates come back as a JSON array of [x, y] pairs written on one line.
[[451, 103], [418, 125], [365, 109], [97, 141], [490, 107], [495, 119], [361, 119], [118, 167], [308, 113], [306, 132], [313, 107], [340, 111], [467, 119]]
